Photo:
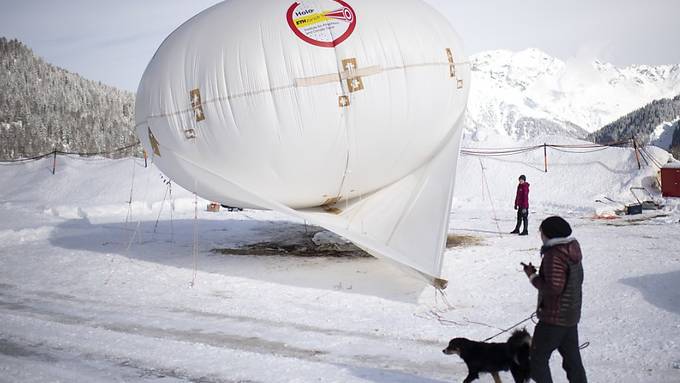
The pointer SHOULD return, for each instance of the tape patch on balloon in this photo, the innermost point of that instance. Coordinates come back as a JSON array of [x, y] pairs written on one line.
[[323, 23], [155, 146]]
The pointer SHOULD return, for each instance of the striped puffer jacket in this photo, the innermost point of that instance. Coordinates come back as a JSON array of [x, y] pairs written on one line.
[[559, 282]]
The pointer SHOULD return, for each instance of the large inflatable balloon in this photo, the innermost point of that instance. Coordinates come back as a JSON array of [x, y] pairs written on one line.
[[345, 113]]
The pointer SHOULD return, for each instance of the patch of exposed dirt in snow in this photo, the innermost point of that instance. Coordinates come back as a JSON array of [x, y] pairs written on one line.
[[313, 243], [454, 240]]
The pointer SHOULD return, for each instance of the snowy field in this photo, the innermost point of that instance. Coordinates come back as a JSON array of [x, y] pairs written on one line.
[[94, 288]]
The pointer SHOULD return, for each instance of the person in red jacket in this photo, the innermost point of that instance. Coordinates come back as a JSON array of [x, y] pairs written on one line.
[[559, 283], [522, 205]]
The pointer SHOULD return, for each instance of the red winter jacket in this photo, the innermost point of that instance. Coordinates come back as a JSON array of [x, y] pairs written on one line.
[[522, 197], [559, 282]]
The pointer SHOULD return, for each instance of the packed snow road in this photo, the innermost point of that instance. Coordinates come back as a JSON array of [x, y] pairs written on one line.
[[69, 338]]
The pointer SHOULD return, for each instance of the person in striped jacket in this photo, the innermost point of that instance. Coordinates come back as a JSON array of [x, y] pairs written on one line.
[[559, 283]]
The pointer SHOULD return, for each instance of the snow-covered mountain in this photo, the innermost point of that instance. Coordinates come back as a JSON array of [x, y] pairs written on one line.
[[529, 93], [663, 133], [667, 135]]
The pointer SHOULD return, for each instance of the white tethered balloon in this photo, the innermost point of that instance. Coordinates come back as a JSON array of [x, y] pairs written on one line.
[[347, 114]]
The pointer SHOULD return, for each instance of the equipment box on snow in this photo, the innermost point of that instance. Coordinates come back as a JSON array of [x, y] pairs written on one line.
[[635, 208]]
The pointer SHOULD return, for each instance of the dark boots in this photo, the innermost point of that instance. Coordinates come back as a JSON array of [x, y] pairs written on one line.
[[522, 218]]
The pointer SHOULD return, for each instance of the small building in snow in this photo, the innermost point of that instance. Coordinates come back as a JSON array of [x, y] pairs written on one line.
[[670, 179]]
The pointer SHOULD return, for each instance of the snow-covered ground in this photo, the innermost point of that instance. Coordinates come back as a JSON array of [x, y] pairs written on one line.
[[94, 288]]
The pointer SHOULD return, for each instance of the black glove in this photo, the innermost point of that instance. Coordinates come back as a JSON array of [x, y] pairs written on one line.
[[529, 269]]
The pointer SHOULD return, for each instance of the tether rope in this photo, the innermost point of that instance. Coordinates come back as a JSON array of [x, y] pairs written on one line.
[[645, 152], [160, 211], [195, 245], [488, 191], [137, 229]]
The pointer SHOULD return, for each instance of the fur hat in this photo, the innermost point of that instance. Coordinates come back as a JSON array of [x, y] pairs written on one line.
[[523, 177], [555, 227]]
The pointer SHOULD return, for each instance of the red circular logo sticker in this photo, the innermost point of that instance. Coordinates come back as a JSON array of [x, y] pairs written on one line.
[[324, 23]]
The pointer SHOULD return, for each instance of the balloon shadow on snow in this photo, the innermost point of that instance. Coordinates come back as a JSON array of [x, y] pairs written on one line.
[[270, 251], [661, 290]]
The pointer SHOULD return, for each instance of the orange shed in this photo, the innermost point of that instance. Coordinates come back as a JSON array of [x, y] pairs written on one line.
[[670, 179]]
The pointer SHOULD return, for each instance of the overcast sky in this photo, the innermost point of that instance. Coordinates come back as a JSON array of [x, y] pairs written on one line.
[[112, 41]]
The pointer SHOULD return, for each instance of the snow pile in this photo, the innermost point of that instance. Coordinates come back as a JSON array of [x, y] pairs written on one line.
[[90, 188]]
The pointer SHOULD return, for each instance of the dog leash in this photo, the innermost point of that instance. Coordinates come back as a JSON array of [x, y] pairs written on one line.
[[532, 316]]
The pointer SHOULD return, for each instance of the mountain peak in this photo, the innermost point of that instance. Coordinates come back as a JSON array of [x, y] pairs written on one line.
[[525, 55], [523, 93]]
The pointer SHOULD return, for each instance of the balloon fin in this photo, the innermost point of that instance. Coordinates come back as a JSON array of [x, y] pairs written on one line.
[[407, 221]]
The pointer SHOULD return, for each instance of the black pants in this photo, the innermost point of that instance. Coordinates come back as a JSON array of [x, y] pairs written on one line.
[[546, 339], [522, 216]]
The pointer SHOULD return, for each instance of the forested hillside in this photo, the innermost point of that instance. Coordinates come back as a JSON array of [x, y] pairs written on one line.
[[45, 108], [641, 123], [675, 145]]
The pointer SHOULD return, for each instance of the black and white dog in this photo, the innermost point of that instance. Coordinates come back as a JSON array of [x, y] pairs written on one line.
[[479, 357]]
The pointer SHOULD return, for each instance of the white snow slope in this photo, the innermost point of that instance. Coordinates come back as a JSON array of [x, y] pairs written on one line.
[[662, 136], [87, 297], [529, 93]]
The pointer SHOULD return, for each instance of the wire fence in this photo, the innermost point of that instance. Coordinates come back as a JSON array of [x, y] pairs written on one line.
[[641, 152], [80, 155], [584, 148], [65, 153]]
